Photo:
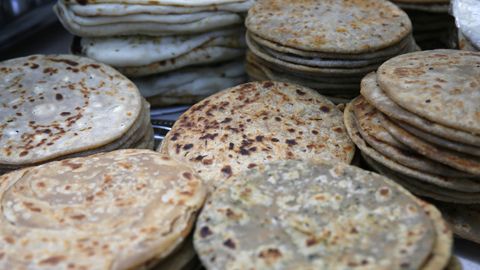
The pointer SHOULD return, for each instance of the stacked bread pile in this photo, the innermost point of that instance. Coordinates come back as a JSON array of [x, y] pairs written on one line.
[[244, 127], [467, 18], [59, 106], [418, 122], [176, 51], [300, 215], [126, 209], [432, 23], [325, 45]]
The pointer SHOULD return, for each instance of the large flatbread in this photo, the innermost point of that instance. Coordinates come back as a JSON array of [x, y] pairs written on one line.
[[116, 210], [190, 85], [371, 91], [142, 50], [456, 183], [322, 217], [59, 104], [460, 161], [440, 85], [370, 130], [351, 27], [245, 126]]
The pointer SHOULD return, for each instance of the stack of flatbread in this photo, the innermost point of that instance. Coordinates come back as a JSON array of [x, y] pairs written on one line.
[[467, 18], [59, 106], [243, 127], [126, 209], [299, 215], [418, 122], [432, 23], [176, 51], [325, 45]]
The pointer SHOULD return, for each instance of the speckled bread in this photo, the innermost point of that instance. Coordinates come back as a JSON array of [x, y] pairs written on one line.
[[324, 44], [355, 26], [372, 92], [117, 210], [245, 126], [298, 215], [427, 84], [58, 106]]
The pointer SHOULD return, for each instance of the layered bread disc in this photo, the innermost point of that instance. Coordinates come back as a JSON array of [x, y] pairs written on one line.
[[190, 85], [120, 18], [136, 56], [291, 42], [245, 126], [125, 209], [59, 105], [439, 85], [301, 215]]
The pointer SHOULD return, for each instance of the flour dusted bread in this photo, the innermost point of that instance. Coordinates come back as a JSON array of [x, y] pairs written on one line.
[[58, 105], [299, 215], [243, 127], [117, 210]]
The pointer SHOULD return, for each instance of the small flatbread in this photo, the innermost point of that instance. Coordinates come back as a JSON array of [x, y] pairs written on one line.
[[439, 85], [462, 162], [116, 210], [451, 145], [297, 215], [55, 105], [365, 114], [343, 27], [459, 184], [245, 126], [371, 91], [190, 85]]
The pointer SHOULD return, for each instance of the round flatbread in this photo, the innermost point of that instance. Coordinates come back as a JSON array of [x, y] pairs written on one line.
[[439, 85], [297, 215], [438, 141], [351, 27], [116, 210], [371, 91], [459, 184], [245, 126], [366, 116], [55, 105], [459, 161]]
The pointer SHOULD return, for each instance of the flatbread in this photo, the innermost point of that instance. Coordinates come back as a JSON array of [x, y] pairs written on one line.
[[69, 21], [208, 55], [459, 184], [386, 52], [190, 85], [116, 210], [440, 85], [365, 115], [113, 9], [462, 162], [344, 27], [451, 145], [143, 50], [287, 66], [423, 189], [55, 105], [180, 3], [371, 91], [322, 217], [245, 126]]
